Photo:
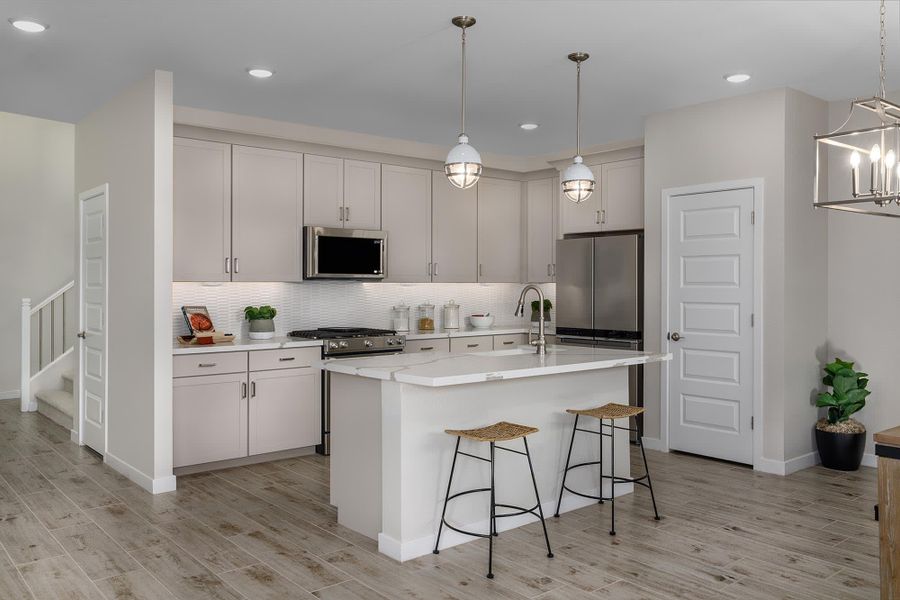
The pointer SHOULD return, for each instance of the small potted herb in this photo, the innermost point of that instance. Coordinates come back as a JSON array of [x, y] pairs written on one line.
[[262, 326], [535, 308], [840, 439]]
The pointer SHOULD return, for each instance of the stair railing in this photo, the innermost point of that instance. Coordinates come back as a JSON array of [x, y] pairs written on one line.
[[43, 312]]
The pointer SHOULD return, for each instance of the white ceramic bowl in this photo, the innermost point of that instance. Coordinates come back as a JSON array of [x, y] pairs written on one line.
[[481, 322]]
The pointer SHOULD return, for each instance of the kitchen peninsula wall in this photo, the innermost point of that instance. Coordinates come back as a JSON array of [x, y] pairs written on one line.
[[313, 304]]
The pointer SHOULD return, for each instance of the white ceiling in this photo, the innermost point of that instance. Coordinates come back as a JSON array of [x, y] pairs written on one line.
[[391, 67]]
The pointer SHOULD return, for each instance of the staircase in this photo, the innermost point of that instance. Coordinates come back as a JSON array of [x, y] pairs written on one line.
[[47, 377]]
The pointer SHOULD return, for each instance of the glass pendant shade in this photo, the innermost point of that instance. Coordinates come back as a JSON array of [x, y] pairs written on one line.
[[463, 166], [578, 181]]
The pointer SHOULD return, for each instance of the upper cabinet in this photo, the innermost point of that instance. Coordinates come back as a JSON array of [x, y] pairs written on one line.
[[540, 230], [341, 193], [406, 217], [267, 212], [616, 204], [454, 231], [202, 199], [499, 230]]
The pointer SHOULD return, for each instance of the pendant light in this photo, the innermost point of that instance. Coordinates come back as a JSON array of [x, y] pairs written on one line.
[[577, 179], [463, 166]]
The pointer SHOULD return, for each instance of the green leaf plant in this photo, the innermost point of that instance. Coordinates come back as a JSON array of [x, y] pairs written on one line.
[[848, 391], [253, 313]]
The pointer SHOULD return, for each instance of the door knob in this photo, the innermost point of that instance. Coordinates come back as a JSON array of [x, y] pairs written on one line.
[[81, 334], [675, 336]]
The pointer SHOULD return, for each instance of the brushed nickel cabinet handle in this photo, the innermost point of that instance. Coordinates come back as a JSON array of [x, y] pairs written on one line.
[[428, 269], [472, 345], [427, 348], [509, 343], [346, 213], [228, 264], [603, 216], [434, 272], [340, 213], [206, 365], [480, 270], [286, 358], [237, 266], [244, 390], [548, 269], [253, 389], [597, 219]]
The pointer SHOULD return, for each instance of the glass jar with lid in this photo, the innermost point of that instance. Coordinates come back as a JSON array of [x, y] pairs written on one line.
[[425, 317], [400, 318], [450, 316]]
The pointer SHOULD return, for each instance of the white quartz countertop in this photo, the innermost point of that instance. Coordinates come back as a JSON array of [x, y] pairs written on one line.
[[469, 331], [242, 345], [438, 369]]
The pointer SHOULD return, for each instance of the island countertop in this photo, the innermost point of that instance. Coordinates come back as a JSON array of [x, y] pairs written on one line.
[[438, 369]]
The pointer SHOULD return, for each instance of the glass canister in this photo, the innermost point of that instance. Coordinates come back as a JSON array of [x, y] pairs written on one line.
[[400, 318], [451, 315], [425, 317]]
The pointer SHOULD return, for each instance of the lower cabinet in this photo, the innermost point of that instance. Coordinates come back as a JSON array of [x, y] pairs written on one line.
[[209, 418], [285, 409]]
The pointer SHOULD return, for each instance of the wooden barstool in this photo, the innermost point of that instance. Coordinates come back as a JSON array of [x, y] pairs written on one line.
[[609, 411], [498, 432]]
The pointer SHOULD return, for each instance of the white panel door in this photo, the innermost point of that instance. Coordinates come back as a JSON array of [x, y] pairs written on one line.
[[540, 230], [267, 209], [710, 305], [583, 216], [406, 216], [93, 318], [362, 194], [622, 195], [454, 231], [499, 231], [285, 410], [323, 191]]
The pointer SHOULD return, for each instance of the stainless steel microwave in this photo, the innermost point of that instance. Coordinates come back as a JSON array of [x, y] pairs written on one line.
[[333, 253]]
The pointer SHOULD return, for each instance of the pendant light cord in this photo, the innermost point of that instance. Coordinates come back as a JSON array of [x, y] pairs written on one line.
[[881, 67], [462, 111], [578, 109]]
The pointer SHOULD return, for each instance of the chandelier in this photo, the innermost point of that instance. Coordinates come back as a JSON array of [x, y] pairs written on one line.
[[867, 151]]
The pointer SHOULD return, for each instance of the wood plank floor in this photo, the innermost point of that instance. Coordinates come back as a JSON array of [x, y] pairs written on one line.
[[72, 528]]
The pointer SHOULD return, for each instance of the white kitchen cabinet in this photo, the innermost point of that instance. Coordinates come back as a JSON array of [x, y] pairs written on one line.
[[323, 191], [499, 230], [362, 194], [202, 211], [584, 216], [284, 410], [209, 418], [454, 231], [406, 217], [434, 345], [267, 212], [540, 230], [622, 195], [475, 343]]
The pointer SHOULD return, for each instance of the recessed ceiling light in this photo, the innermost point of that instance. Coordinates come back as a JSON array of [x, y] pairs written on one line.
[[260, 73], [528, 126], [737, 78], [28, 26]]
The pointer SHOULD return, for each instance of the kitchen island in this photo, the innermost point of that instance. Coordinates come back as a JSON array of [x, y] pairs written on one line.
[[391, 459]]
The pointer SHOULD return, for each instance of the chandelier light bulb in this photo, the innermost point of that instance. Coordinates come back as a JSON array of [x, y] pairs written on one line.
[[889, 159], [875, 153], [854, 159]]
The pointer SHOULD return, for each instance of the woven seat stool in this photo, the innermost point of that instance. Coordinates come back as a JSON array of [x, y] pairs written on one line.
[[611, 412], [498, 432]]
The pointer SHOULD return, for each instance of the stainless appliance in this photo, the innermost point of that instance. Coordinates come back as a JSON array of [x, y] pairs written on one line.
[[332, 253], [600, 295], [345, 342]]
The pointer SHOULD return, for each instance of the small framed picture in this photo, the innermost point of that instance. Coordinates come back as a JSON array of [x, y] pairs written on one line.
[[198, 320]]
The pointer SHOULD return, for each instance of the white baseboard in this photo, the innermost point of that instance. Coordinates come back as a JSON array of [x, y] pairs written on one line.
[[403, 551], [786, 467], [10, 395], [869, 460], [160, 485], [654, 444], [73, 435]]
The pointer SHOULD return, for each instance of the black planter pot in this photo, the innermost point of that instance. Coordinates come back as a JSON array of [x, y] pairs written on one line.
[[841, 451]]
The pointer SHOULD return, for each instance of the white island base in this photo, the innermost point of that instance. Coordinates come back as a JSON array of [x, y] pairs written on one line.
[[391, 459]]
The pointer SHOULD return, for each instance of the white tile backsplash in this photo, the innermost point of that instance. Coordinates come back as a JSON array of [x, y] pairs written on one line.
[[344, 303]]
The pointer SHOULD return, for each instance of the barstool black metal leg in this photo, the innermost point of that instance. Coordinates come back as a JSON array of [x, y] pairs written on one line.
[[446, 497], [537, 497], [600, 500], [612, 473], [647, 472], [562, 487], [490, 573]]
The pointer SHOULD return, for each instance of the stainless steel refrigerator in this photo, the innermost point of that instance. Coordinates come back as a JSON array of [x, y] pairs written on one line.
[[600, 295]]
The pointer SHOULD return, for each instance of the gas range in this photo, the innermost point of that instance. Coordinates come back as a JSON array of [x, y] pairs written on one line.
[[342, 341]]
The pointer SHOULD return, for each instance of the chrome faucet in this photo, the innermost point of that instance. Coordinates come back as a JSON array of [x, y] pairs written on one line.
[[541, 342]]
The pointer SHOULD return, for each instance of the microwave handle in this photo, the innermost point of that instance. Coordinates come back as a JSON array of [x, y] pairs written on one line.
[[381, 257]]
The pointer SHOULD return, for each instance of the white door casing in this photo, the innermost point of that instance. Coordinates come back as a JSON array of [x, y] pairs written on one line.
[[709, 269], [93, 317]]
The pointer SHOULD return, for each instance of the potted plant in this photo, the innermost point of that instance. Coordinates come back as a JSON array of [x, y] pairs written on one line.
[[840, 439], [535, 307], [262, 326]]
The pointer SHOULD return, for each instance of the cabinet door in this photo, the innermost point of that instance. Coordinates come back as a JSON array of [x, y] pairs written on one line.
[[267, 208], [209, 418], [202, 205], [285, 410], [499, 230], [584, 216], [454, 231], [540, 234], [323, 191], [623, 195], [362, 194], [406, 216], [434, 345]]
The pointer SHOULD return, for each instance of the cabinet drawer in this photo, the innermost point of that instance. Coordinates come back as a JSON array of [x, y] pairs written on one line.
[[437, 345], [510, 340], [481, 343], [287, 358], [214, 363]]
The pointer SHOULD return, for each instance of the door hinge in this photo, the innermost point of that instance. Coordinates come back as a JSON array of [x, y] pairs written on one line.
[[753, 217], [752, 320], [751, 423]]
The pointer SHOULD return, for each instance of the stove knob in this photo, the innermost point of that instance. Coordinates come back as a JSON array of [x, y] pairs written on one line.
[[368, 343], [333, 345], [390, 341], [344, 345]]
